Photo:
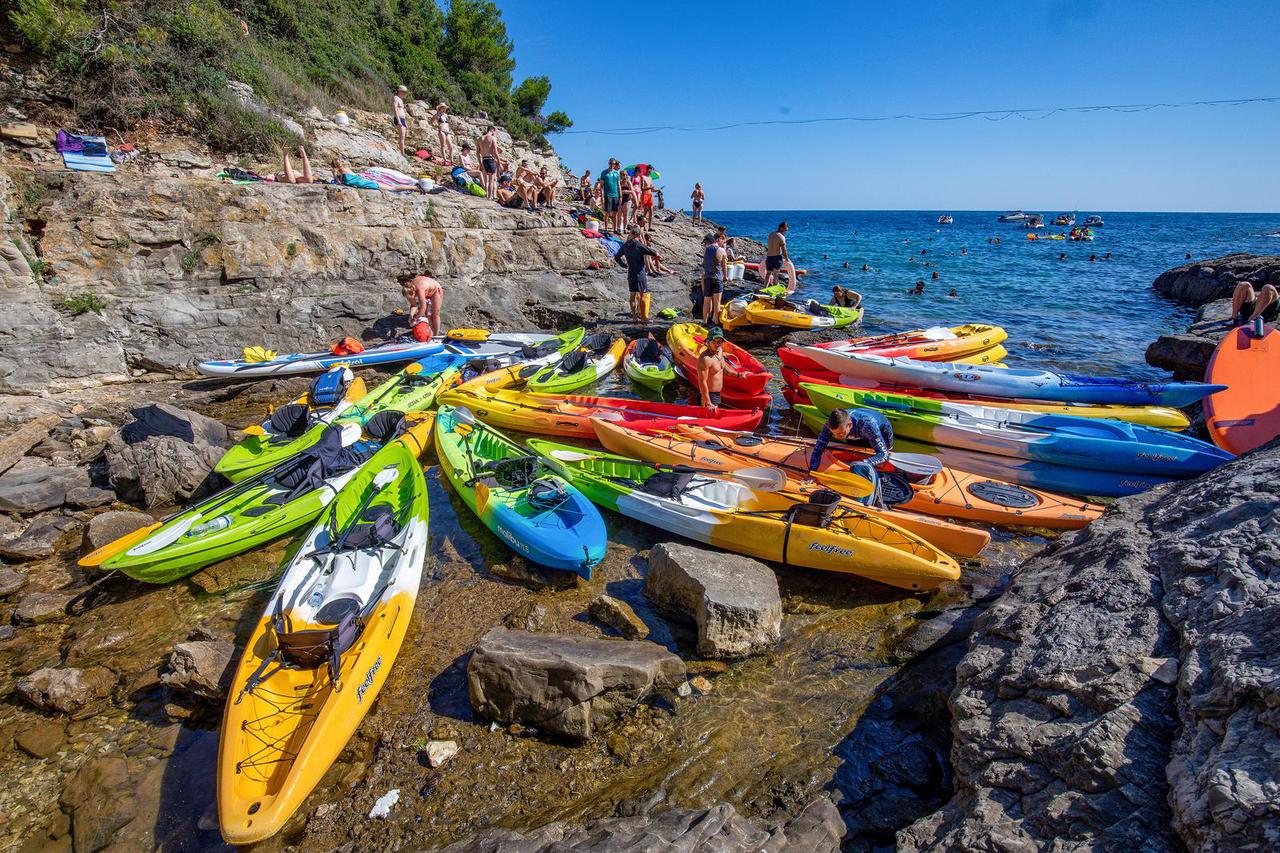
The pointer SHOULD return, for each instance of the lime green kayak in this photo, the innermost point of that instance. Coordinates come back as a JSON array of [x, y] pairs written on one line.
[[596, 357]]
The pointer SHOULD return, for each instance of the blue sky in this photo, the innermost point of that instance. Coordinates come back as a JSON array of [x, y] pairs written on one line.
[[705, 63]]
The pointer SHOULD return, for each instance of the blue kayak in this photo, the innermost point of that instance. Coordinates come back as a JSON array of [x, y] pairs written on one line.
[[1010, 382]]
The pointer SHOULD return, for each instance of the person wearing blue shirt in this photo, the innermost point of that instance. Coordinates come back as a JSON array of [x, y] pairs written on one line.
[[858, 425]]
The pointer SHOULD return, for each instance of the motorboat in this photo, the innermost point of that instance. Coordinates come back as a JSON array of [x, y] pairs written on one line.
[[1094, 221], [1033, 220], [945, 219], [1065, 219], [1013, 216]]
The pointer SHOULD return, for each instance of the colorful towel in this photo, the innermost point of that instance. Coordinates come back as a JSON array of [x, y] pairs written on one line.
[[84, 153], [389, 177]]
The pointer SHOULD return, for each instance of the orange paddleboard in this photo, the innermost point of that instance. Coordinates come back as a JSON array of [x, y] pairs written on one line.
[[1247, 414]]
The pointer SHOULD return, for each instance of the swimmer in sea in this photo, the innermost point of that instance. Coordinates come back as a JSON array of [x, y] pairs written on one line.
[[1062, 256], [963, 251], [918, 290], [953, 294], [865, 267], [1093, 258], [934, 277]]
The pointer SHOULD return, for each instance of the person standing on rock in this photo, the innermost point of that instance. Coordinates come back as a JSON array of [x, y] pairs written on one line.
[[634, 252], [400, 115], [646, 200], [441, 119], [490, 161], [711, 370], [426, 297], [776, 256], [611, 179], [628, 190], [714, 271], [698, 197], [584, 188]]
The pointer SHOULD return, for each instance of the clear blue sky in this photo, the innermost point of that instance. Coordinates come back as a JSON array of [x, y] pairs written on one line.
[[689, 63]]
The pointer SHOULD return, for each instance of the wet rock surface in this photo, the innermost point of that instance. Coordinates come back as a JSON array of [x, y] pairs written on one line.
[[619, 616], [1117, 694], [66, 690], [566, 685], [202, 668], [109, 526], [732, 599]]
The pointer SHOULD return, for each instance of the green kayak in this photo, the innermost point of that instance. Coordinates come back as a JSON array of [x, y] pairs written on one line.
[[255, 511], [596, 357], [647, 362]]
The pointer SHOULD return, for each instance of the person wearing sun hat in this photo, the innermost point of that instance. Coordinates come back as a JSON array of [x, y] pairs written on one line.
[[441, 119], [400, 115]]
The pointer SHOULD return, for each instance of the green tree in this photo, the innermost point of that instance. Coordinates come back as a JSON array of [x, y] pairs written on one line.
[[531, 95], [557, 122], [475, 40]]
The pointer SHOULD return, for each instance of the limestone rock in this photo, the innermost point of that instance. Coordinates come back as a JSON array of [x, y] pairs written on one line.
[[42, 739], [100, 799], [732, 599], [40, 539], [441, 752], [202, 668], [36, 489], [36, 608], [161, 470], [10, 581], [109, 526], [67, 690], [619, 616], [527, 617], [14, 445], [1065, 720], [1198, 282], [817, 829], [563, 684], [162, 419]]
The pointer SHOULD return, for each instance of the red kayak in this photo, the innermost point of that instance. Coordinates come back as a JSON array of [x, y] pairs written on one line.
[[744, 377]]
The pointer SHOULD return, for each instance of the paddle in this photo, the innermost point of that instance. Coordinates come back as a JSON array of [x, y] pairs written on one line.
[[764, 479], [849, 483]]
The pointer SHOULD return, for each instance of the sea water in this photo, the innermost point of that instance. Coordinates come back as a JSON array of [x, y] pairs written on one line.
[[1074, 314]]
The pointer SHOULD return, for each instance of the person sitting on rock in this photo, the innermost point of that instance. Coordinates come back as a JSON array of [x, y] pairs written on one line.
[[426, 297], [525, 183], [468, 161], [506, 192], [547, 186], [289, 176], [1248, 303]]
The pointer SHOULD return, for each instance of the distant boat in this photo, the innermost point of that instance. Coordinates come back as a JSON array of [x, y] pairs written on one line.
[[1065, 219], [1013, 216], [1033, 220], [1094, 221], [945, 219]]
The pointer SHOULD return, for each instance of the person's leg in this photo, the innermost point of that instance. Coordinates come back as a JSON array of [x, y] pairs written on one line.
[[307, 177], [1244, 294], [290, 177], [412, 298], [791, 271], [401, 130], [1266, 297], [437, 303]]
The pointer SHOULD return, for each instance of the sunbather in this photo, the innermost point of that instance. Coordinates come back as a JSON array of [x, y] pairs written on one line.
[[289, 176]]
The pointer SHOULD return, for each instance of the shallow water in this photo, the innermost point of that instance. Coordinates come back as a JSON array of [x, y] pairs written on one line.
[[1072, 314]]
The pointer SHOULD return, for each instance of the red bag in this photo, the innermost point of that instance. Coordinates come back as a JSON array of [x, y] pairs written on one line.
[[422, 331], [347, 346]]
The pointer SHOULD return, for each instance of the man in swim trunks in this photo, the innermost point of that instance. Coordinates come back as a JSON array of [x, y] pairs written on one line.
[[584, 187], [399, 115], [634, 252], [646, 199], [698, 197], [1248, 303], [714, 271], [547, 186], [490, 160], [776, 256], [426, 297], [711, 370], [612, 179]]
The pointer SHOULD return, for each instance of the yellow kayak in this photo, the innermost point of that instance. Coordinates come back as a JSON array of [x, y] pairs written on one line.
[[792, 315]]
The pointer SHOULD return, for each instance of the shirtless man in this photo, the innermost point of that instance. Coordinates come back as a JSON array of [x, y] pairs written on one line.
[[697, 197], [646, 200], [547, 186], [711, 370], [425, 296], [399, 115], [776, 256], [490, 160], [584, 188]]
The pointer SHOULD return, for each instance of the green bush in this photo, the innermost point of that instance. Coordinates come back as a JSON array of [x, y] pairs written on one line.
[[81, 303], [171, 60]]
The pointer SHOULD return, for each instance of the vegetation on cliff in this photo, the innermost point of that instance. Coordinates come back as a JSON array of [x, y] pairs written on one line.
[[124, 61]]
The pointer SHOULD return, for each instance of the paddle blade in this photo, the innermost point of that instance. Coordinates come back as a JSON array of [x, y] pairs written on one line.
[[571, 456], [920, 465], [846, 483], [106, 552], [386, 476], [482, 497]]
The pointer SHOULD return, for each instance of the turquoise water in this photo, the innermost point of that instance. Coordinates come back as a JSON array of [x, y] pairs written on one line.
[[1072, 314]]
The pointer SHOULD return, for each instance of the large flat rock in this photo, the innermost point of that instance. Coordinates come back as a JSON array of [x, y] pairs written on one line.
[[733, 600], [563, 684]]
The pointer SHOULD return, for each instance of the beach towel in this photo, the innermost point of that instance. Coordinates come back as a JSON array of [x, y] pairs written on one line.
[[611, 244], [240, 176], [84, 153], [388, 177], [587, 232], [359, 182]]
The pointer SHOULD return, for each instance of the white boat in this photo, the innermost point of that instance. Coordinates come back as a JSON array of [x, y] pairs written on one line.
[[1094, 221], [1013, 216], [1065, 219], [945, 219], [1033, 220]]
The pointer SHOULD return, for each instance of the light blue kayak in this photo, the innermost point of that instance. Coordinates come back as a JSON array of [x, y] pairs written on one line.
[[1010, 382]]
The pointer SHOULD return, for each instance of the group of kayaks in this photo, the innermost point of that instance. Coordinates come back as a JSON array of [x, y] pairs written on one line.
[[975, 442]]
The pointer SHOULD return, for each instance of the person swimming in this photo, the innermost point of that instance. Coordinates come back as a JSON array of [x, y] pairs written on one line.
[[918, 290], [934, 277], [953, 294]]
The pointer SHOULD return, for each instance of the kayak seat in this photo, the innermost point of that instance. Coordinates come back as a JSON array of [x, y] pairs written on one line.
[[648, 351], [377, 527], [518, 472], [310, 648], [547, 494], [817, 512], [539, 350], [289, 421], [478, 367], [817, 309], [573, 362], [597, 343], [386, 426], [668, 484]]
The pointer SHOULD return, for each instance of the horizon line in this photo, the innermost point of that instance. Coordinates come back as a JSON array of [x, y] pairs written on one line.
[[955, 210]]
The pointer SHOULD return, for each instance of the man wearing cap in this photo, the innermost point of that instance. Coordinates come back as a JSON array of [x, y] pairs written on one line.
[[711, 369], [399, 115]]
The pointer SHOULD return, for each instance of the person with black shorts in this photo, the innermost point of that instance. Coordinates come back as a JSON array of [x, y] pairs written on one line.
[[714, 272], [1248, 303], [634, 252], [490, 160]]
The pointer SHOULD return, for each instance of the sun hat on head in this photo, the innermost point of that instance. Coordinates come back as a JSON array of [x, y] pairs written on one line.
[[402, 88], [715, 333], [442, 105]]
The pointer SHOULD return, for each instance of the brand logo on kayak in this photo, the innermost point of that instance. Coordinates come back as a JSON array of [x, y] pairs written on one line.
[[967, 377], [834, 550], [1158, 457], [368, 680]]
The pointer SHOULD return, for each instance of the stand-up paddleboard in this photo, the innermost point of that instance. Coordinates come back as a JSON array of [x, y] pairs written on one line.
[[1247, 414]]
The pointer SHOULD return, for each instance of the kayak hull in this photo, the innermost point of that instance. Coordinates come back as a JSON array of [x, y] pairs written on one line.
[[1247, 414], [654, 376], [745, 377]]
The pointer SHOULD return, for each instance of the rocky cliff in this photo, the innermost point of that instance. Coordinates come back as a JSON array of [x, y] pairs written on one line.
[[1122, 692], [1208, 285], [181, 266]]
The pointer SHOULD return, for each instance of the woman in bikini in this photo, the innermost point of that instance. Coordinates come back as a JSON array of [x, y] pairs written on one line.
[[442, 128]]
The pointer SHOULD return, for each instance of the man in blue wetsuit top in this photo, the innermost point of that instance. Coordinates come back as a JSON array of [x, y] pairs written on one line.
[[858, 425]]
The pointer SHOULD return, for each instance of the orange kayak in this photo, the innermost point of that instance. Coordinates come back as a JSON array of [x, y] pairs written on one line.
[[949, 493], [1247, 414], [675, 448]]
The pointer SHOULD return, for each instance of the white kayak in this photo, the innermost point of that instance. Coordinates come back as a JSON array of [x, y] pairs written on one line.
[[1009, 382], [392, 352]]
